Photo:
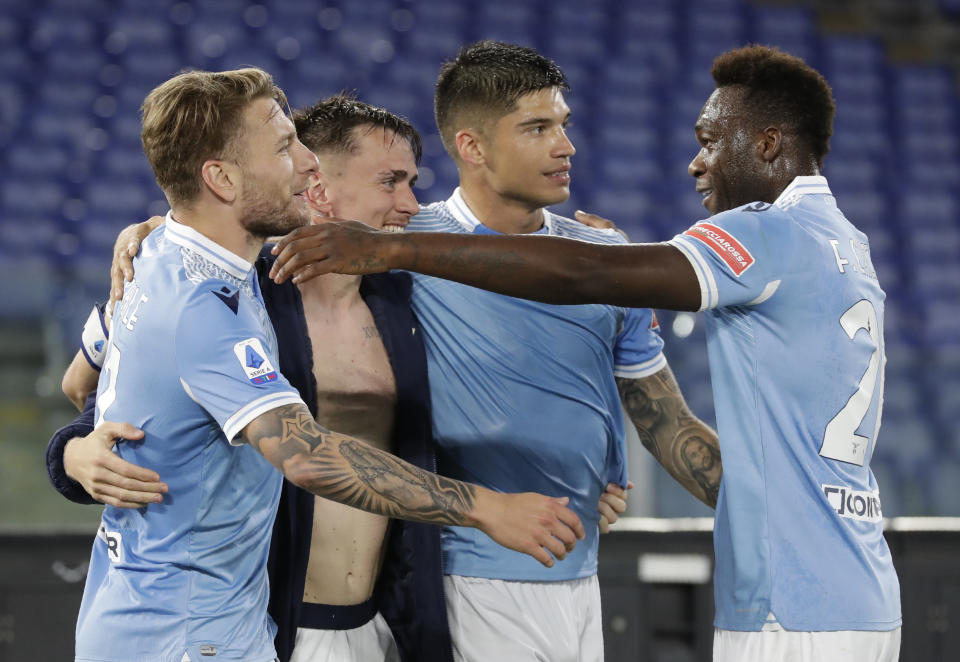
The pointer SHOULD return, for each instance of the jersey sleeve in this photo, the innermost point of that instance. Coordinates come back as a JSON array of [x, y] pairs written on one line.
[[639, 348], [225, 361], [736, 255]]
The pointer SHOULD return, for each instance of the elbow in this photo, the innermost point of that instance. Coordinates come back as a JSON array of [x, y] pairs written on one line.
[[76, 395]]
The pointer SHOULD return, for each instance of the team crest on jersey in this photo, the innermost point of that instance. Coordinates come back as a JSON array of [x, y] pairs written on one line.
[[256, 364], [724, 244]]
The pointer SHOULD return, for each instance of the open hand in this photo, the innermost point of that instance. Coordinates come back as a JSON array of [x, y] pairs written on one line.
[[106, 476], [540, 526], [124, 250], [336, 246]]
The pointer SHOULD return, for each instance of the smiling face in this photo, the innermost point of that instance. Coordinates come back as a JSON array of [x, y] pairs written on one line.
[[275, 169], [727, 167], [374, 183], [527, 152]]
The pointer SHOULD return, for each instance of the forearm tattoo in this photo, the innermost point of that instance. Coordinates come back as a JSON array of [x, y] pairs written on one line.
[[686, 447], [352, 472]]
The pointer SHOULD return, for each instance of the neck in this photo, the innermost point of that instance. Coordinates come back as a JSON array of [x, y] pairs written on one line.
[[505, 215], [330, 290], [220, 226]]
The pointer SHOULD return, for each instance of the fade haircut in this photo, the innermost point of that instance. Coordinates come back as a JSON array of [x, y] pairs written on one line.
[[484, 82], [197, 116], [781, 89], [328, 126]]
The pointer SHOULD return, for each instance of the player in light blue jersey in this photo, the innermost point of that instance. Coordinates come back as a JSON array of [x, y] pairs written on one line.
[[526, 395], [192, 364], [794, 317]]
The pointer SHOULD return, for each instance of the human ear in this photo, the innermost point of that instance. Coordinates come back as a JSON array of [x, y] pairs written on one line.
[[469, 146], [318, 197], [222, 178], [769, 144]]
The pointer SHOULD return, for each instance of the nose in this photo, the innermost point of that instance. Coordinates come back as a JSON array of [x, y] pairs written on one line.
[[697, 166], [306, 161], [564, 147], [407, 201]]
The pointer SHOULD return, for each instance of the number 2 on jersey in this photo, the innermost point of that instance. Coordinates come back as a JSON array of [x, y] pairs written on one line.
[[840, 440], [111, 365]]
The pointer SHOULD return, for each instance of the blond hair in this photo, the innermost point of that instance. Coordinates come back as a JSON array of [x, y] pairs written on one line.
[[197, 116]]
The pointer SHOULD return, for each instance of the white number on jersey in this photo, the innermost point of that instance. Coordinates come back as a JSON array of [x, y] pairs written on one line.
[[109, 395], [840, 440]]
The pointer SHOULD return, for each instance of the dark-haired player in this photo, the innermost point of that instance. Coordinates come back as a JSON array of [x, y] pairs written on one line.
[[352, 350], [529, 394], [794, 318]]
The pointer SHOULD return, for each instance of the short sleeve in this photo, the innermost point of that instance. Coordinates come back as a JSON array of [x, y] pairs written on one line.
[[736, 255], [226, 361], [638, 351]]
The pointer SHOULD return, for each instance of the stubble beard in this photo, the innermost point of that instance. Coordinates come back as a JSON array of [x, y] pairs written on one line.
[[262, 218]]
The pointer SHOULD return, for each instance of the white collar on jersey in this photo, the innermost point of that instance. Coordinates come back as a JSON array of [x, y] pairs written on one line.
[[801, 186], [465, 217], [186, 236]]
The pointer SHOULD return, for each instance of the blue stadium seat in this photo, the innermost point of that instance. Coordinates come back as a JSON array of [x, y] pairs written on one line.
[[31, 197]]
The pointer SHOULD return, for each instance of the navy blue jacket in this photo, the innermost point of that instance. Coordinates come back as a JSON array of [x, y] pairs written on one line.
[[409, 591]]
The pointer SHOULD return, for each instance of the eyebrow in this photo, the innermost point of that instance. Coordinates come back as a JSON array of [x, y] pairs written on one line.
[[542, 120], [287, 137], [397, 174]]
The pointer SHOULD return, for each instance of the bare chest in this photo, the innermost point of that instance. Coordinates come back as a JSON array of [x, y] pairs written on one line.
[[356, 389]]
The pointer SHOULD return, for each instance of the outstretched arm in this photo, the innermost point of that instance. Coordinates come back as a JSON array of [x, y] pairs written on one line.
[[548, 269], [352, 472], [686, 446]]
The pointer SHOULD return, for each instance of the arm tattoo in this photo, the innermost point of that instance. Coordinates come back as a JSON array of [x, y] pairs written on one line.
[[686, 447], [352, 472]]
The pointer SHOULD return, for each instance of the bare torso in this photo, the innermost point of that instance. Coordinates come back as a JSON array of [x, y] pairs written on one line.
[[356, 396]]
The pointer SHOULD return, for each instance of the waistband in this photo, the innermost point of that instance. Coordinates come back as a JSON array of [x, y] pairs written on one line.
[[336, 617]]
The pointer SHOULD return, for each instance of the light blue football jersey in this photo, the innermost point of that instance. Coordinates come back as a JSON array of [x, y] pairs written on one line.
[[524, 397], [191, 360], [794, 323]]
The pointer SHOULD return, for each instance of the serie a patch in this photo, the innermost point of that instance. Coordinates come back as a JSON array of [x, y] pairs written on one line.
[[724, 244], [256, 364]]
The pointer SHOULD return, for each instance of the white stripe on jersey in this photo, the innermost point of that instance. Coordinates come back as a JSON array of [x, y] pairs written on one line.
[[641, 370], [709, 296], [243, 416]]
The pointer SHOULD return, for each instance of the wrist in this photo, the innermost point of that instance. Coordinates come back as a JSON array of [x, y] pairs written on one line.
[[487, 505], [68, 450]]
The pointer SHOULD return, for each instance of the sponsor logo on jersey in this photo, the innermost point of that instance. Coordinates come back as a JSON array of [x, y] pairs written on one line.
[[757, 206], [723, 244], [853, 504], [114, 543], [254, 360]]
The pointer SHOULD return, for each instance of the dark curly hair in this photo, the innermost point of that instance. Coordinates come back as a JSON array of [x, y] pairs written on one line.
[[328, 125], [484, 82], [782, 89]]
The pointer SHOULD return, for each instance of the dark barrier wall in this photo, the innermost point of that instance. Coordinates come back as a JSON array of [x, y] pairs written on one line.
[[654, 578]]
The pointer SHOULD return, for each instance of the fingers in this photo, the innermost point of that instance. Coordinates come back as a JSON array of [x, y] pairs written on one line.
[[125, 498], [542, 555], [295, 257], [604, 524], [593, 220], [570, 518]]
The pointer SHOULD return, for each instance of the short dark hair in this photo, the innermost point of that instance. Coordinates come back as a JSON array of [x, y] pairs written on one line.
[[484, 81], [328, 125], [781, 88]]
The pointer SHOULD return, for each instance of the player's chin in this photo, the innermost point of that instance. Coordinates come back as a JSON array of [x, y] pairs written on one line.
[[554, 195]]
